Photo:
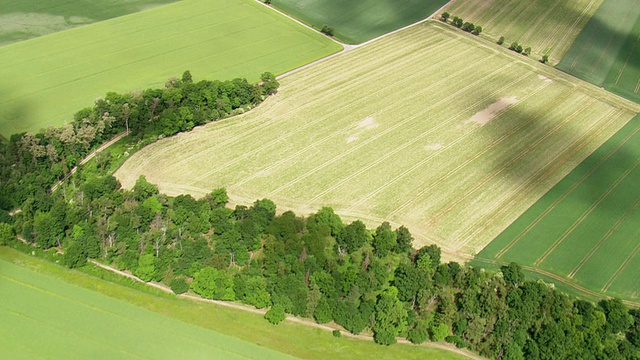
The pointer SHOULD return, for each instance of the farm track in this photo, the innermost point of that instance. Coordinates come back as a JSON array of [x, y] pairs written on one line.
[[291, 318]]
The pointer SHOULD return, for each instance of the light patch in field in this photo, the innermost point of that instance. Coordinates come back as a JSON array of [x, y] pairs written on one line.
[[352, 138], [433, 147], [483, 117], [544, 78], [368, 123], [38, 23]]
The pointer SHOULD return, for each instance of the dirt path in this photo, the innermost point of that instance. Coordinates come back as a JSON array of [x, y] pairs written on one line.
[[234, 305], [87, 158]]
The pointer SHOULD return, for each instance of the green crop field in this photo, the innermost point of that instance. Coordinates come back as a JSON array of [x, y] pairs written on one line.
[[401, 130], [607, 52], [174, 328], [43, 317], [586, 228], [21, 20], [355, 22], [47, 79], [547, 26]]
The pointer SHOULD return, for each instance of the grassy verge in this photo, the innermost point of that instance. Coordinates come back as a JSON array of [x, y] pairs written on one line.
[[290, 338]]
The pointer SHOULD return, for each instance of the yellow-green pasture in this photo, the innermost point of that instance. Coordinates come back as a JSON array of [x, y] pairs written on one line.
[[47, 79], [43, 317], [430, 127]]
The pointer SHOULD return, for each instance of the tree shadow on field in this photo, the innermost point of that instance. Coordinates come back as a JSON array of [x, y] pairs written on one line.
[[595, 175], [14, 114], [599, 44]]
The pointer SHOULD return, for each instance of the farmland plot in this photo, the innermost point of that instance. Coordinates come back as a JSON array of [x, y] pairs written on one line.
[[607, 52], [355, 22], [586, 228], [547, 26], [43, 317], [404, 129], [21, 20], [47, 79]]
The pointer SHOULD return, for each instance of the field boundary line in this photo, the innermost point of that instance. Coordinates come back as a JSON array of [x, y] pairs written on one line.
[[265, 124], [584, 215], [479, 185], [602, 240], [626, 262], [87, 158], [476, 156], [563, 196], [539, 178], [559, 278], [539, 175]]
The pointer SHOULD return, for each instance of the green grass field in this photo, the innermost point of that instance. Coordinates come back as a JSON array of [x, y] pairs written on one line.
[[547, 26], [624, 77], [169, 323], [586, 228], [21, 20], [43, 317], [607, 52], [47, 79], [401, 130], [355, 22]]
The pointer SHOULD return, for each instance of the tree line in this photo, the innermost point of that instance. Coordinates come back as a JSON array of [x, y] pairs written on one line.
[[365, 280], [31, 162], [476, 30]]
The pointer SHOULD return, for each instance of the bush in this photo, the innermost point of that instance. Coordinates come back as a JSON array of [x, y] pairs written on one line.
[[276, 314], [74, 256], [477, 30], [179, 286], [417, 335], [457, 340], [7, 234], [439, 332], [501, 40], [336, 333], [327, 30], [468, 27], [445, 16], [545, 59]]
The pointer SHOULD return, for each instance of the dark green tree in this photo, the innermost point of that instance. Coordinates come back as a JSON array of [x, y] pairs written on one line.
[[384, 239], [276, 314]]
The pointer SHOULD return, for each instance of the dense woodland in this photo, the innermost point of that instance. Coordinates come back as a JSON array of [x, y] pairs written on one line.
[[370, 281]]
